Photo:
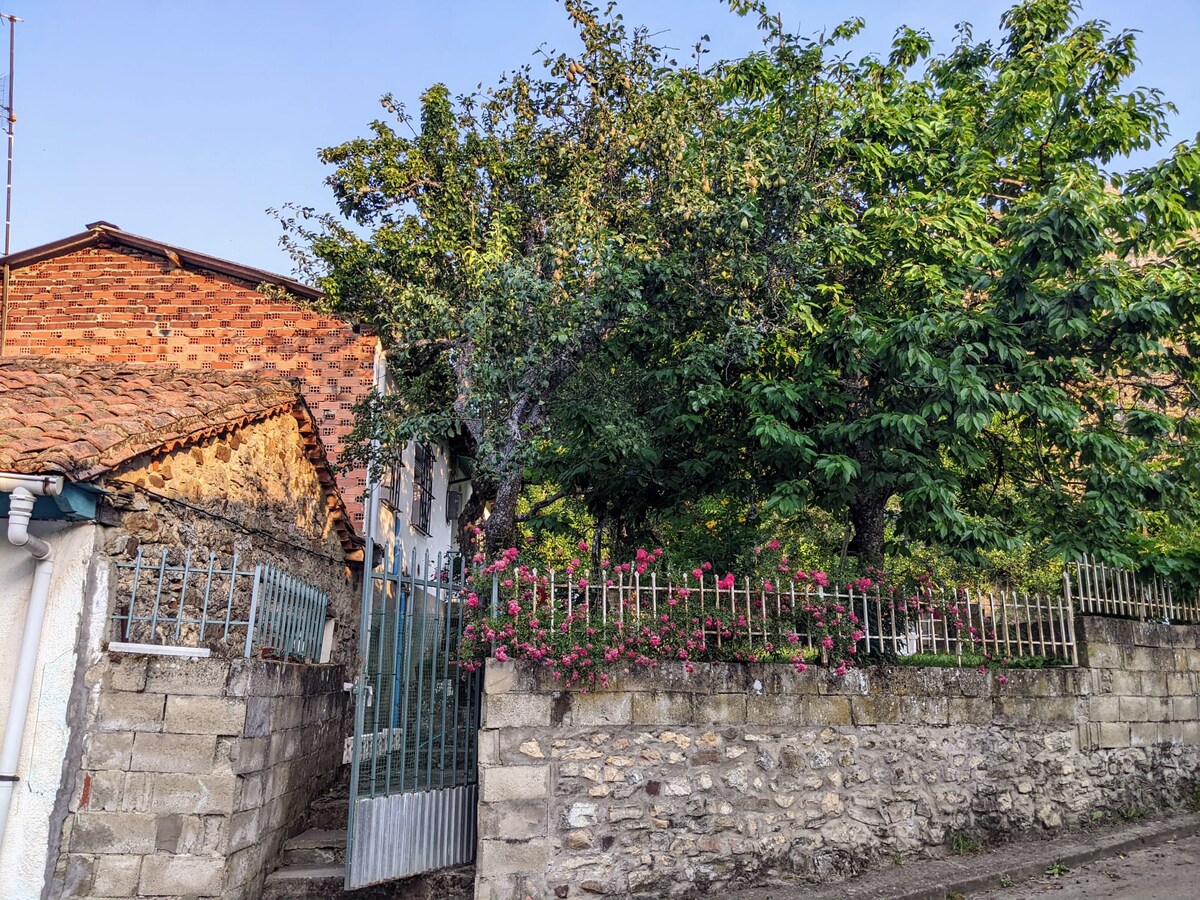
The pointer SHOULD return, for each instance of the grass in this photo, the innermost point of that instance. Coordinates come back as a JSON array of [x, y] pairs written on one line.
[[962, 844]]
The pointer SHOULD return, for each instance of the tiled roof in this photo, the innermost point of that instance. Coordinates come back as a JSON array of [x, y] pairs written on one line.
[[119, 299], [83, 419]]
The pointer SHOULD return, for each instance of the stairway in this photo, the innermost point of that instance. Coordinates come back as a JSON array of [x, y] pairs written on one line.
[[312, 864]]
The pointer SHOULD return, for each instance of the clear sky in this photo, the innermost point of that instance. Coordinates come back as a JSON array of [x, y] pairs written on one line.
[[184, 120]]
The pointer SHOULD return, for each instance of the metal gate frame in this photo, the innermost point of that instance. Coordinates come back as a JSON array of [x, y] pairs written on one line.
[[414, 762]]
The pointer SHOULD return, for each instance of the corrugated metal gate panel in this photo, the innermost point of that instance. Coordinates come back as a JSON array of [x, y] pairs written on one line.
[[424, 831]]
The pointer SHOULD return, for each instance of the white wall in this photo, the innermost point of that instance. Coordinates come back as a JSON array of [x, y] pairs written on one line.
[[23, 855], [394, 525], [442, 534]]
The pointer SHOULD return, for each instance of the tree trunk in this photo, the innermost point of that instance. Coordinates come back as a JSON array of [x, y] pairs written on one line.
[[483, 491], [501, 526], [867, 517]]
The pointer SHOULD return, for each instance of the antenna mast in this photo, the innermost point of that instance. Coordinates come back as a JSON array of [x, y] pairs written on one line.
[[6, 108]]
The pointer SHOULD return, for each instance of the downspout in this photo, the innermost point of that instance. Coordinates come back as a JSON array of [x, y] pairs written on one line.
[[23, 491]]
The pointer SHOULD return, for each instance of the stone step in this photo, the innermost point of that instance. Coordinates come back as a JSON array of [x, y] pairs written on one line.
[[325, 883], [315, 847], [331, 811]]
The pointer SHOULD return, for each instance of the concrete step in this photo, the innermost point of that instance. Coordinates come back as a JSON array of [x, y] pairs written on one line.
[[330, 811], [320, 847], [326, 883]]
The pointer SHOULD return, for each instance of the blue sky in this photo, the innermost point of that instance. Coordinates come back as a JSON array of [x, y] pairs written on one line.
[[185, 121]]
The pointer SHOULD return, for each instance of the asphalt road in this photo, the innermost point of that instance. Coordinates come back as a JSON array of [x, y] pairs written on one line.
[[1167, 871]]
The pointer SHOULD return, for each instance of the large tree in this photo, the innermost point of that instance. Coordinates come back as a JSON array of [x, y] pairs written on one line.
[[912, 287], [1005, 321], [528, 243]]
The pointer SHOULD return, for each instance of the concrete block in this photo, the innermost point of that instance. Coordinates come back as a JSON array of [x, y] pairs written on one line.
[[205, 715], [124, 711], [499, 677], [599, 709], [99, 791], [1133, 709], [1104, 708], [181, 753], [116, 876], [770, 709], [182, 876], [663, 708], [188, 677], [1143, 734], [127, 673], [1184, 708], [109, 750], [501, 783], [136, 792], [258, 717], [195, 794], [518, 710], [721, 709], [113, 832], [510, 858], [244, 829], [1113, 735]]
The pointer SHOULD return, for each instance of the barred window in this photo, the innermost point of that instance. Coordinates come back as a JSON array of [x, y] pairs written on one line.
[[392, 482], [422, 507]]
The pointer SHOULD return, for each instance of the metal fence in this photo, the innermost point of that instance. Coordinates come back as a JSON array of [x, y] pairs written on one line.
[[414, 770], [420, 708], [1102, 590], [763, 616], [230, 609]]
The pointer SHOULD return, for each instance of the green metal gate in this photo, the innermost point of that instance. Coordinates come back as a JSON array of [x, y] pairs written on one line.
[[414, 774]]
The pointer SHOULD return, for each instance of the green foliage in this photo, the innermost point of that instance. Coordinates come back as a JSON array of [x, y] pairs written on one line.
[[999, 342], [913, 292], [963, 844]]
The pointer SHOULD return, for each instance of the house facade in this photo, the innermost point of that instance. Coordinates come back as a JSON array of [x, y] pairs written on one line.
[[106, 295], [181, 590]]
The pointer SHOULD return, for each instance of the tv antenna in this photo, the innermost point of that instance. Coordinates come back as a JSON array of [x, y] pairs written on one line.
[[6, 109]]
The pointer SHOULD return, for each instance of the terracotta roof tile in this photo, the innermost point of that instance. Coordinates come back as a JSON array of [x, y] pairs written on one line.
[[83, 419]]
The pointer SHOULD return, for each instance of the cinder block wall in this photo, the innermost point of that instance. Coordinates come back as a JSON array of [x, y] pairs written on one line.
[[193, 772], [678, 784]]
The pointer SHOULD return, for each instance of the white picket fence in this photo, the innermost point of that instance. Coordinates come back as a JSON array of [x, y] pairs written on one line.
[[762, 615], [1097, 589]]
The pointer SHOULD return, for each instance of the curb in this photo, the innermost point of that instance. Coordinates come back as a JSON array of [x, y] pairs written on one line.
[[990, 879], [1018, 861]]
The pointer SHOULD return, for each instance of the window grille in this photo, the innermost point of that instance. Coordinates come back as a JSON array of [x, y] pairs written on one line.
[[422, 502], [393, 484]]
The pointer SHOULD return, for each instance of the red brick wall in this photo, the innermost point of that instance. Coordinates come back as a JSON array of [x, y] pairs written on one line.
[[122, 305]]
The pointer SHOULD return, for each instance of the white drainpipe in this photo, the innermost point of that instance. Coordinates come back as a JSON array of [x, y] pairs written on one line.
[[23, 490]]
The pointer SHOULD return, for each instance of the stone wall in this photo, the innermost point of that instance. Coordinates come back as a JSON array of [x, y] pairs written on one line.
[[193, 772], [676, 784], [253, 492]]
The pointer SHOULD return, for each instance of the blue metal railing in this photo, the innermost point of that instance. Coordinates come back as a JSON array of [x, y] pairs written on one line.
[[229, 609]]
